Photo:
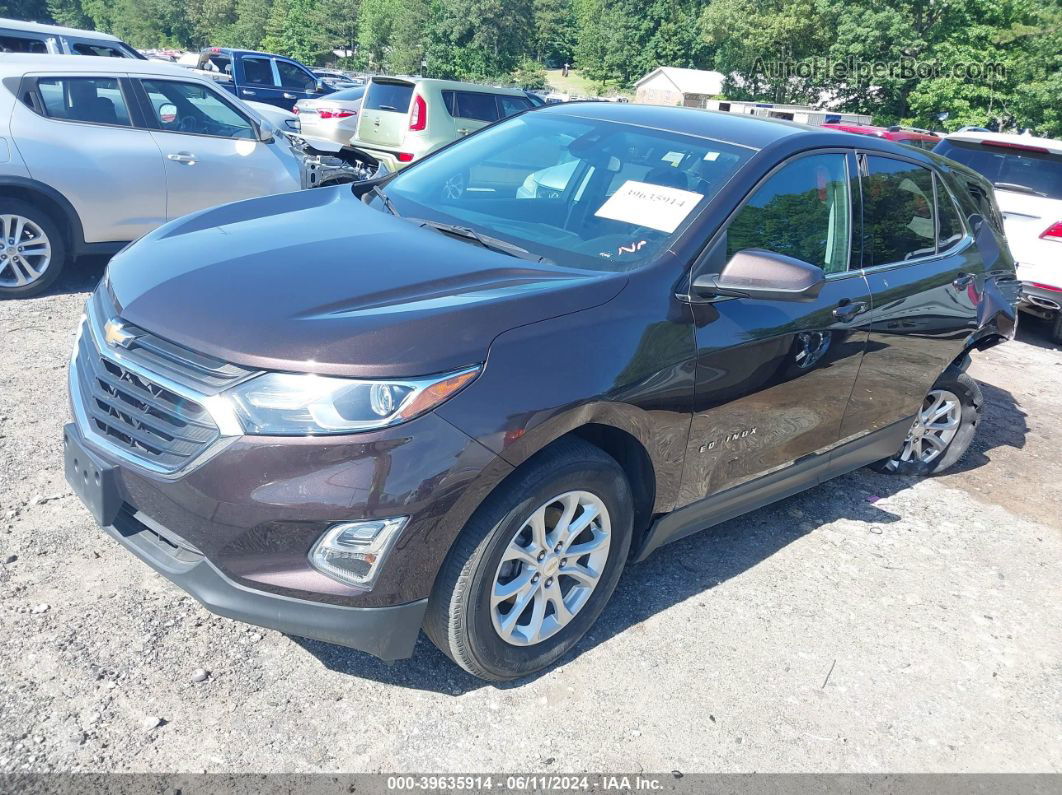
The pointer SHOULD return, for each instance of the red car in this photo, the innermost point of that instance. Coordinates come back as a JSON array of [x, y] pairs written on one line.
[[921, 139]]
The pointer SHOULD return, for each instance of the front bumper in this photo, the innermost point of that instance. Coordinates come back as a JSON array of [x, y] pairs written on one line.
[[389, 633]]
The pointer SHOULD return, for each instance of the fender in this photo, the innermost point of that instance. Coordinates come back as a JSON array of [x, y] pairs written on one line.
[[69, 221]]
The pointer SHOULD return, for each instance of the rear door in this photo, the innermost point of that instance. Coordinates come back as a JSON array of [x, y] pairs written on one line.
[[927, 277], [210, 148], [385, 112], [76, 135], [472, 110]]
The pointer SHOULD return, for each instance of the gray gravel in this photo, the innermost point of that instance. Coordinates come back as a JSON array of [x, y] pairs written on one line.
[[872, 624]]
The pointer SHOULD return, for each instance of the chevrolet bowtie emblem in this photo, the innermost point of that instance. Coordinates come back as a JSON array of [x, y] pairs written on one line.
[[116, 334]]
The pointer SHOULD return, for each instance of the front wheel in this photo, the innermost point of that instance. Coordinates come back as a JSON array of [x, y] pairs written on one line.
[[942, 430], [534, 567]]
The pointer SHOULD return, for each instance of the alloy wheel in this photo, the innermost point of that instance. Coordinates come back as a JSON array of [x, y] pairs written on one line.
[[550, 568], [25, 251], [933, 429]]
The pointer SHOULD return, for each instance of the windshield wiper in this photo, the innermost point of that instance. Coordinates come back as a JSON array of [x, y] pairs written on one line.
[[1016, 187], [390, 205], [488, 242]]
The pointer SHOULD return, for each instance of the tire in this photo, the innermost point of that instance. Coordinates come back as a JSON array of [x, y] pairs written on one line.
[[1056, 328], [37, 226], [953, 384], [462, 619]]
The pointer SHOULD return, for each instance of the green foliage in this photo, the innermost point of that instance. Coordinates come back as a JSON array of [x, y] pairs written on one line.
[[614, 42]]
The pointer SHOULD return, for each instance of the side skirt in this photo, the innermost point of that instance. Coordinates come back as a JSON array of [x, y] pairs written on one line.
[[800, 475]]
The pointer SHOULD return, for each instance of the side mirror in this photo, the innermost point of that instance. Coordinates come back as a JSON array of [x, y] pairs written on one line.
[[765, 275], [168, 113], [321, 87]]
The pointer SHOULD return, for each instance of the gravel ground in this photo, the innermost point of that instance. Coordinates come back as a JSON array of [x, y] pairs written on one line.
[[872, 624]]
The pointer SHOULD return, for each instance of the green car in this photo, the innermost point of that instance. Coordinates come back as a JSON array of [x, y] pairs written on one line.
[[404, 119]]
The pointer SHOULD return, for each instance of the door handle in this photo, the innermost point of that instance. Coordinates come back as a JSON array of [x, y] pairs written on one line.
[[247, 92], [463, 131], [963, 280], [848, 310], [288, 96], [182, 157]]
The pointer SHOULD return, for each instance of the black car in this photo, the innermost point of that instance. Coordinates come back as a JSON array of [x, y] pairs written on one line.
[[463, 397]]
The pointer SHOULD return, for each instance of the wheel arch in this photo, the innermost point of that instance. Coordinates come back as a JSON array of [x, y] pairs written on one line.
[[52, 202]]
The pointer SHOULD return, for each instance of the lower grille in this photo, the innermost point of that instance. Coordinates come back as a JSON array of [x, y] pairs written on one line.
[[130, 410]]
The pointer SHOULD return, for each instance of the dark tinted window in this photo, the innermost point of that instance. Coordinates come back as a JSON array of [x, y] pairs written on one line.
[[257, 71], [950, 231], [898, 211], [293, 76], [1020, 170], [394, 97], [473, 105], [802, 211], [92, 99], [513, 105], [9, 43]]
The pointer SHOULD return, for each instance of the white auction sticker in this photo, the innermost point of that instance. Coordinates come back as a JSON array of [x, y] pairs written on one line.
[[644, 204]]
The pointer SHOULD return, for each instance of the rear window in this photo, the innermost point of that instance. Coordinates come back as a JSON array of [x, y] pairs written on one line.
[[394, 97], [1019, 170], [97, 100], [9, 43], [348, 94]]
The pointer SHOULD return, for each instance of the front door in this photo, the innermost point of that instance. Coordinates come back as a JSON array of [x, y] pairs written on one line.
[[211, 150], [773, 378]]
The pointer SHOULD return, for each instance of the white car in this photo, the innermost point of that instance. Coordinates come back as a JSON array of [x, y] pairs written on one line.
[[1027, 175], [95, 152]]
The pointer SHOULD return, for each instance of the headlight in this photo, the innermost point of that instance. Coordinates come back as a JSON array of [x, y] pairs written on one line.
[[290, 404]]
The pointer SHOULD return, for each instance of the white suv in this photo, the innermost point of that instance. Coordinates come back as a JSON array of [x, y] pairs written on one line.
[[95, 152], [1027, 175]]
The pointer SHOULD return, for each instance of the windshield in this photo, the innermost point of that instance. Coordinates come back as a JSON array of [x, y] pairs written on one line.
[[1019, 170], [579, 192]]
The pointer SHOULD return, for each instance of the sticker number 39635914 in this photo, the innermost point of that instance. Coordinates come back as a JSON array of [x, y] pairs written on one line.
[[645, 204]]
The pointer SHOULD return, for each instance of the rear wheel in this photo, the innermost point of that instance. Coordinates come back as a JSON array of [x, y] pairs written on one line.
[[534, 567], [32, 250], [942, 430], [1056, 328]]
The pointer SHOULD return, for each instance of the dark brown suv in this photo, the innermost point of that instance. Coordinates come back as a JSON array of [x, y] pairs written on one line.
[[463, 397]]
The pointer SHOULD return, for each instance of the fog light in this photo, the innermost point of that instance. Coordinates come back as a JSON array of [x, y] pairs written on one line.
[[353, 552]]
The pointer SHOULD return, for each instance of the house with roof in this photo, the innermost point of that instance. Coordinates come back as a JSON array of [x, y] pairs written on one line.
[[671, 85]]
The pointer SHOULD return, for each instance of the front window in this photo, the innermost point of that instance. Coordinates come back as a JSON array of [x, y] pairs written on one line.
[[292, 76], [574, 191], [801, 211], [192, 108], [1018, 168]]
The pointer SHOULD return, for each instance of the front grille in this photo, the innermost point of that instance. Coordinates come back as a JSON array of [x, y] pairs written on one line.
[[133, 412], [142, 399]]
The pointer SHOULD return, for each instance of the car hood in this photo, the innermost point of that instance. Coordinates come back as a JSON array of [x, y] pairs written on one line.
[[316, 281]]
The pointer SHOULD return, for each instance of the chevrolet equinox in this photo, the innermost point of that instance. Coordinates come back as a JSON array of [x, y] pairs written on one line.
[[462, 397]]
